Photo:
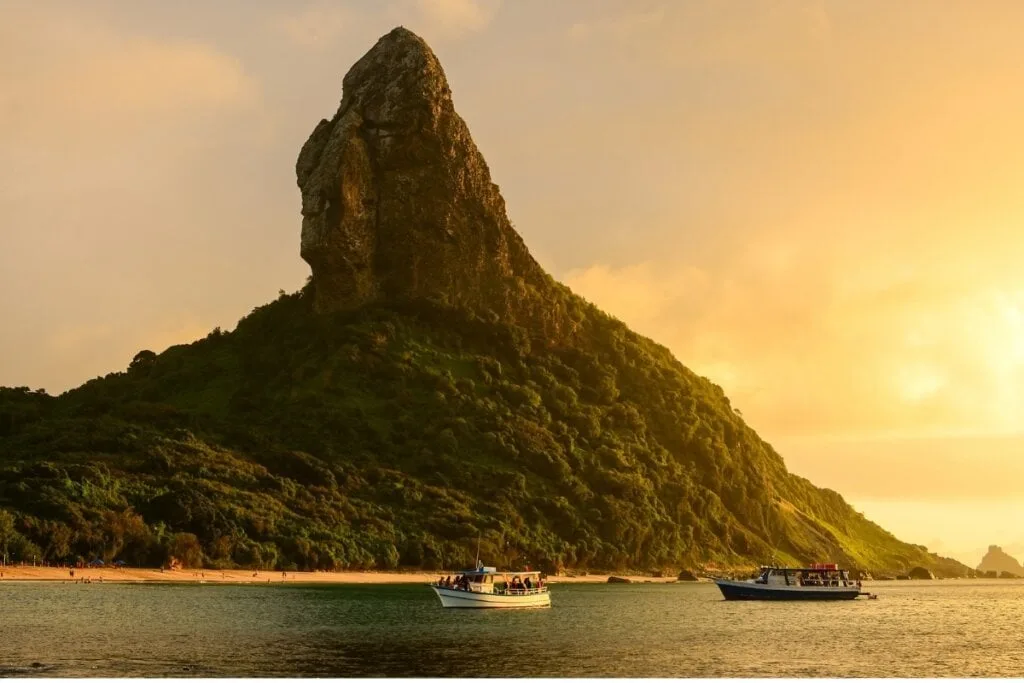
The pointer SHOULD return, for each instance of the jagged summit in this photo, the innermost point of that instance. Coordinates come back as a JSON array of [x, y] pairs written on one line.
[[997, 560], [398, 203]]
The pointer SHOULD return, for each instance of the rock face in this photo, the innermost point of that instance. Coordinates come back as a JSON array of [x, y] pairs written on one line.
[[996, 560], [920, 573], [398, 203]]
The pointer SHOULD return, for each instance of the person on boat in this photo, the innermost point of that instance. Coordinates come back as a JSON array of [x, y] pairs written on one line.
[[448, 581], [527, 584]]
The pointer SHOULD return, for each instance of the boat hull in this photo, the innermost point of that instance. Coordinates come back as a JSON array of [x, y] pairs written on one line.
[[452, 597], [744, 590]]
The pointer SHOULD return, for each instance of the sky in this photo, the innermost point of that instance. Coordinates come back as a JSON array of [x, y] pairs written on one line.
[[815, 204]]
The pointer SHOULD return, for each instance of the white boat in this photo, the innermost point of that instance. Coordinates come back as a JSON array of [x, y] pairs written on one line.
[[486, 587]]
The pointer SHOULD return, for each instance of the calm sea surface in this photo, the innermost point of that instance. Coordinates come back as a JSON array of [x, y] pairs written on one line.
[[940, 628]]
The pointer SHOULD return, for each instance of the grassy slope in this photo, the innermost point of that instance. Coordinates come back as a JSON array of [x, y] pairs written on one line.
[[398, 436]]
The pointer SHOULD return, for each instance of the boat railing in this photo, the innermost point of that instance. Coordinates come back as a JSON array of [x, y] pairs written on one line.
[[536, 590], [521, 591], [828, 584]]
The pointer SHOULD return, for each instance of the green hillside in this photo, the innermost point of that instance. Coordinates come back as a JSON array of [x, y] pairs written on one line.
[[396, 436]]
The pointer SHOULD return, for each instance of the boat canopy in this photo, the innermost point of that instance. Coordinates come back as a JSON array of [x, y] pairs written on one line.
[[820, 568], [482, 571]]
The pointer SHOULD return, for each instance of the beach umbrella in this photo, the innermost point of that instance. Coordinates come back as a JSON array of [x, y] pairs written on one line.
[[96, 563], [120, 563]]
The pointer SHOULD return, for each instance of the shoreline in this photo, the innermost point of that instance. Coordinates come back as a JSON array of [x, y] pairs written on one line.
[[250, 576]]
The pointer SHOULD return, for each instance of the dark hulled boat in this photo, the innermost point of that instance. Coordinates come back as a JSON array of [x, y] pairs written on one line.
[[817, 582]]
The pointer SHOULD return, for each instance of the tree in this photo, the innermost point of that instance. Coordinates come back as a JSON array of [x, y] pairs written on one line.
[[7, 532], [142, 360], [186, 548]]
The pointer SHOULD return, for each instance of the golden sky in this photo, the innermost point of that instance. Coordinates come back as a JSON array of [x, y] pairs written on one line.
[[815, 204]]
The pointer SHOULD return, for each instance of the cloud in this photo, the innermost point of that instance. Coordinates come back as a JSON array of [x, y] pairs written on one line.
[[837, 244], [315, 26], [93, 84], [621, 27], [726, 31], [164, 332], [95, 348], [966, 528], [444, 19], [948, 469], [806, 350], [118, 188]]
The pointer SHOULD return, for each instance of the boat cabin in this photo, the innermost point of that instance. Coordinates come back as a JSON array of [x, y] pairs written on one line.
[[490, 580], [817, 575]]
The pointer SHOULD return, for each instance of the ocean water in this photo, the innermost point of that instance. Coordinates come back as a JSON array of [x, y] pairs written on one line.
[[914, 629]]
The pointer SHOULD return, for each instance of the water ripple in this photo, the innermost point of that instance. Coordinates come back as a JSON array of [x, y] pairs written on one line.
[[915, 629]]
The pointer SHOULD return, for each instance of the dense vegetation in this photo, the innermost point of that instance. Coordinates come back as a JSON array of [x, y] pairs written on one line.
[[397, 437]]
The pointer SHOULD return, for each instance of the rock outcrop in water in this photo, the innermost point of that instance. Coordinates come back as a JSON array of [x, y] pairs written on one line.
[[398, 203], [998, 561]]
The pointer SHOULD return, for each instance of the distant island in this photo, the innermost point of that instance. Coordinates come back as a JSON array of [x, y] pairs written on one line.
[[997, 563], [429, 393]]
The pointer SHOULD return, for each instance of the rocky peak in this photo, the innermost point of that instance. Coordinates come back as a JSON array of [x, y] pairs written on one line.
[[997, 560], [398, 203]]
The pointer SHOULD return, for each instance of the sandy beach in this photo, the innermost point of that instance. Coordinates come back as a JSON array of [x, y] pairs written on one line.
[[133, 575]]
